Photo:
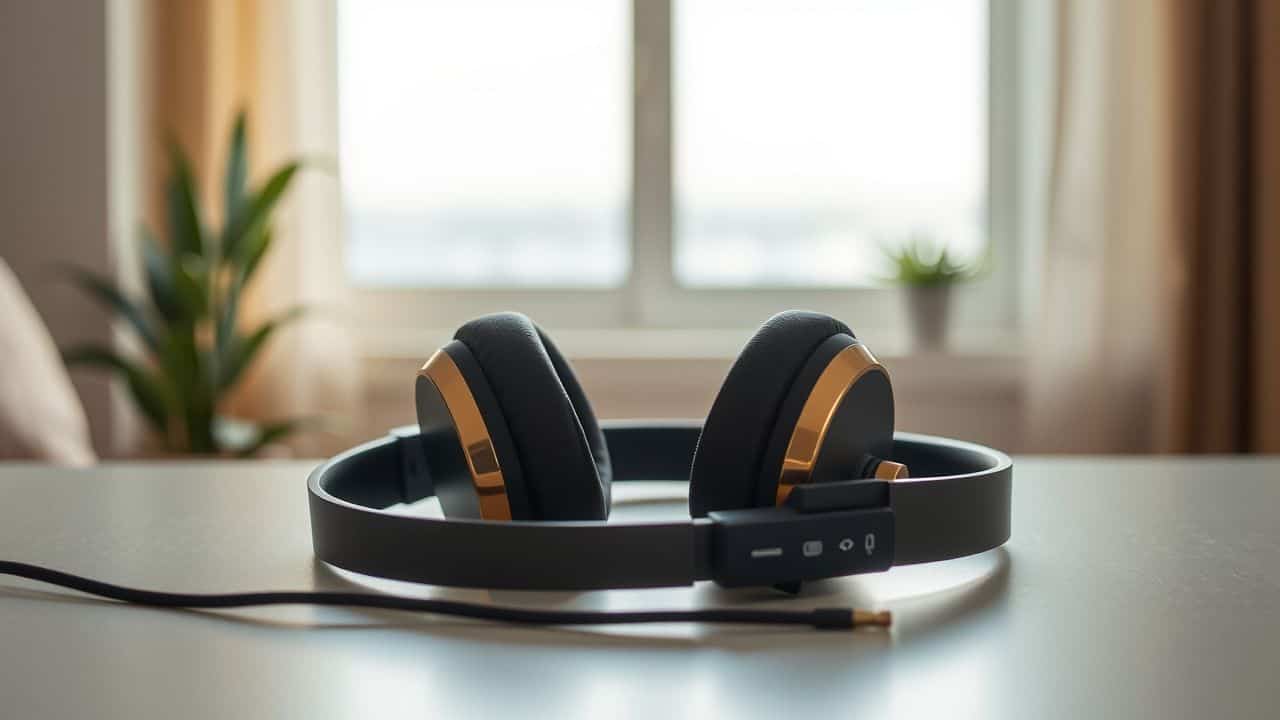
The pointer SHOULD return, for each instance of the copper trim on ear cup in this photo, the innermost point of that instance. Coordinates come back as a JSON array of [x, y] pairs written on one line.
[[477, 445], [840, 375]]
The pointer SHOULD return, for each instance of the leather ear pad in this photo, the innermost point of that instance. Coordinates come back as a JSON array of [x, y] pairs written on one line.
[[561, 449], [742, 418]]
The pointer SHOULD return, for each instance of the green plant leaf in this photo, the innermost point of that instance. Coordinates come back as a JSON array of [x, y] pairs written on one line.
[[179, 359], [255, 247], [148, 391], [242, 350], [237, 168], [101, 289], [185, 366], [920, 263], [176, 284], [186, 233], [254, 214], [259, 241], [191, 282], [225, 326], [159, 269]]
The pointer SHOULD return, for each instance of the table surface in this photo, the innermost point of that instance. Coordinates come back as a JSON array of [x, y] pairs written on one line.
[[1131, 587]]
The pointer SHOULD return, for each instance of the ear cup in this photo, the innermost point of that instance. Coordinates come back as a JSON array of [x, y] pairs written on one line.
[[562, 452], [859, 427], [740, 425]]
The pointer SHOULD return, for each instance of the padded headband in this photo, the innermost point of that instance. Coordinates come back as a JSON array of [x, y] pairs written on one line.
[[957, 504]]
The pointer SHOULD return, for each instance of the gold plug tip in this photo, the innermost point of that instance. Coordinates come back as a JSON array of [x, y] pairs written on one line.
[[883, 618]]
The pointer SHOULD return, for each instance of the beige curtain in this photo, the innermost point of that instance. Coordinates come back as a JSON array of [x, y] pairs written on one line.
[[1158, 329], [277, 59], [1225, 394]]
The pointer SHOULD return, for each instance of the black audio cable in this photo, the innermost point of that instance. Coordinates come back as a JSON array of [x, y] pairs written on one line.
[[820, 618]]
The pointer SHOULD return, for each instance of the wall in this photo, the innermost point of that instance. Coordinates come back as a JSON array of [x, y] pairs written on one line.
[[53, 167]]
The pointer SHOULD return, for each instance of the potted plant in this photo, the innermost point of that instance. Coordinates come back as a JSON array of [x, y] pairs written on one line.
[[927, 273], [193, 350]]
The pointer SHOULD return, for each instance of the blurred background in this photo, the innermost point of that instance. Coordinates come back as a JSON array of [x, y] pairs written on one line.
[[1057, 222]]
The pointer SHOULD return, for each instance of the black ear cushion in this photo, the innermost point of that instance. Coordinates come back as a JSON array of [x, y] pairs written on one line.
[[738, 428], [562, 451]]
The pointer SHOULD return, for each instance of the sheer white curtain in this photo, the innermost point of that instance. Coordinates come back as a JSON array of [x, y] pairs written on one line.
[[1099, 359]]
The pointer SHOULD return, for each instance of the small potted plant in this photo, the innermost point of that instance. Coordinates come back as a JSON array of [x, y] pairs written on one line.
[[928, 273], [193, 350]]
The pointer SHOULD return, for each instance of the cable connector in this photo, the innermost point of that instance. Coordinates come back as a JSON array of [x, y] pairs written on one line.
[[880, 618], [846, 619]]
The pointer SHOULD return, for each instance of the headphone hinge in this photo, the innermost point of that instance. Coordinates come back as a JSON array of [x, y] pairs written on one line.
[[842, 495]]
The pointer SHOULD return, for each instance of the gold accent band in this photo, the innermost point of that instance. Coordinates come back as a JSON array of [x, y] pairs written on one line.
[[815, 417], [477, 445]]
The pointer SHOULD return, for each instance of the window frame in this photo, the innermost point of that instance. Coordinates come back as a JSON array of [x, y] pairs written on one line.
[[994, 308]]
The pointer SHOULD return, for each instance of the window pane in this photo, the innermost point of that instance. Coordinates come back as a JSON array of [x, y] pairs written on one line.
[[808, 133], [485, 142]]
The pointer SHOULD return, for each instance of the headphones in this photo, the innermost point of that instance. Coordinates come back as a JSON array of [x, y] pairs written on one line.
[[795, 475]]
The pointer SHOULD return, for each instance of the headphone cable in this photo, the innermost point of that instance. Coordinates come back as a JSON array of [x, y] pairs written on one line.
[[820, 618]]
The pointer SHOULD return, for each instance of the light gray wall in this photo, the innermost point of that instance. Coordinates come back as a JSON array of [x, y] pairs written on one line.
[[53, 166]]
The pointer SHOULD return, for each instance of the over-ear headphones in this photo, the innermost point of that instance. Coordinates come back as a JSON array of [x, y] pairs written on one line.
[[796, 473], [535, 451]]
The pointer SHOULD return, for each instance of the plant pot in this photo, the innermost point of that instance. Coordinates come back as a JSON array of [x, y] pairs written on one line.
[[929, 309]]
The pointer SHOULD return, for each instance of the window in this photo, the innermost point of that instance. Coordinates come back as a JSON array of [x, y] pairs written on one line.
[[808, 134], [484, 143], [669, 163]]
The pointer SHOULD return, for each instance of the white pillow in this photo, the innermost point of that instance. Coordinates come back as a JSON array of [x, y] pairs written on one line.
[[40, 416]]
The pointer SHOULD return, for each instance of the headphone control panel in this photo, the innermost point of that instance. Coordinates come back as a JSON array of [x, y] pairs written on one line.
[[769, 546]]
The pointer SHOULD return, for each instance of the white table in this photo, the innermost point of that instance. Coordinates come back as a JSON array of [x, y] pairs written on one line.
[[1131, 588]]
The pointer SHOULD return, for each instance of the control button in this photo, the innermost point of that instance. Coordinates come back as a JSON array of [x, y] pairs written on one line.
[[869, 543], [811, 548], [768, 552], [846, 544]]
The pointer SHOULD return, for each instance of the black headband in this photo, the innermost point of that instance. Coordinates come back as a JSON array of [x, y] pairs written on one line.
[[958, 504]]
